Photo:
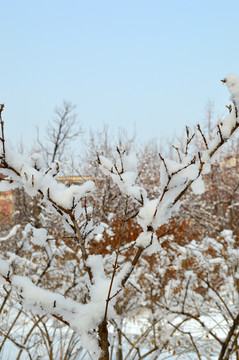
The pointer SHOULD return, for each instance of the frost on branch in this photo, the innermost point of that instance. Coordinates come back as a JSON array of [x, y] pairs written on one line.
[[96, 281]]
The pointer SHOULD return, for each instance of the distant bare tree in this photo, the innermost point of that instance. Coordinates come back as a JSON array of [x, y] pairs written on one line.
[[209, 112], [60, 133]]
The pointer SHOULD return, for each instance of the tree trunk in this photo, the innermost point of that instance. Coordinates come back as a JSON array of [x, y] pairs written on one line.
[[103, 341], [119, 355]]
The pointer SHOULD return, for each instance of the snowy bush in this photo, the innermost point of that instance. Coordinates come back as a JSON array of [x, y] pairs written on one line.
[[102, 279]]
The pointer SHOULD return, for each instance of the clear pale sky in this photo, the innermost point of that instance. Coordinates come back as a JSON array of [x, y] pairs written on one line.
[[152, 63]]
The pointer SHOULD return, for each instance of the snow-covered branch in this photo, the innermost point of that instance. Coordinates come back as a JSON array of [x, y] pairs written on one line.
[[69, 205]]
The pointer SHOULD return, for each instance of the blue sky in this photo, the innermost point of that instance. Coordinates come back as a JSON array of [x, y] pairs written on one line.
[[149, 63]]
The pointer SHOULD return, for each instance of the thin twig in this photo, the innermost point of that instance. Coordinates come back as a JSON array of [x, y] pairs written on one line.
[[203, 136]]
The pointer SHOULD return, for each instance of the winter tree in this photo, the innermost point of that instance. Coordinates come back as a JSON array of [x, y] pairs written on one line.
[[101, 280], [60, 133]]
